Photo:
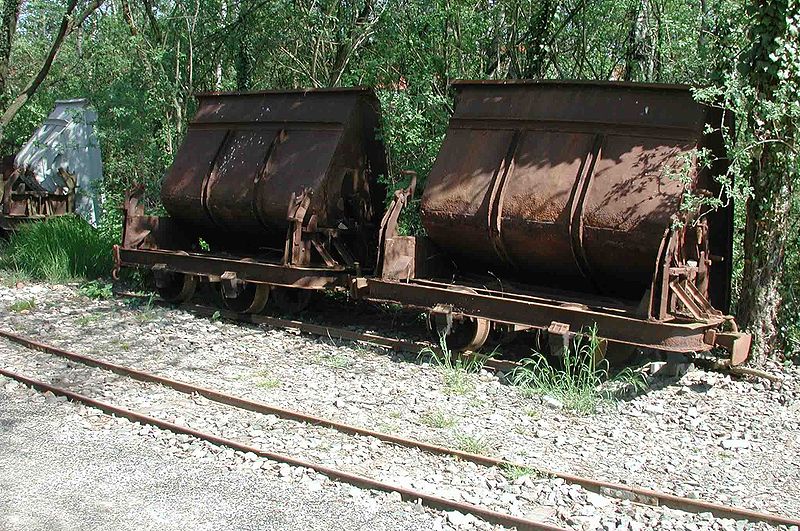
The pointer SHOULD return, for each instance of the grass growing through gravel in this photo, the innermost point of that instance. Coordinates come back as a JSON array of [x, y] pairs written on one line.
[[455, 368], [96, 289], [438, 419], [23, 305], [59, 249], [85, 320], [266, 380], [471, 444], [335, 360], [580, 382], [514, 472], [10, 277]]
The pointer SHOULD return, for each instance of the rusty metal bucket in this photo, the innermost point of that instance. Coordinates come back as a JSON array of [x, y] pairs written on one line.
[[573, 185], [245, 155]]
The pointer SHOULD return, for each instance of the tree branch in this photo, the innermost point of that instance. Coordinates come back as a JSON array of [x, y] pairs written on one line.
[[68, 25]]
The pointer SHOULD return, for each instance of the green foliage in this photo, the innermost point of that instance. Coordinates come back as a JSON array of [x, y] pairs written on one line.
[[514, 472], [438, 419], [96, 289], [59, 249], [472, 444], [266, 380], [335, 360], [578, 380], [141, 66], [760, 88]]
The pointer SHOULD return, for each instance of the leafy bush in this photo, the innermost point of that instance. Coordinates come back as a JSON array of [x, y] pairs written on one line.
[[59, 249]]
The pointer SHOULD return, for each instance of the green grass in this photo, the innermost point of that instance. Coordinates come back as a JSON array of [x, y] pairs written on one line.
[[84, 320], [456, 368], [266, 380], [471, 444], [10, 278], [438, 419], [335, 360], [59, 249], [23, 305], [514, 472], [579, 381]]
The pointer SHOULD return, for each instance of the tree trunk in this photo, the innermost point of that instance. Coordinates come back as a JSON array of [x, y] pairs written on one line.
[[765, 236], [8, 27], [768, 68]]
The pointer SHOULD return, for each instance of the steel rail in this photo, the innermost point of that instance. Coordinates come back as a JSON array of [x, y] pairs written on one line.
[[435, 502], [400, 345], [637, 494]]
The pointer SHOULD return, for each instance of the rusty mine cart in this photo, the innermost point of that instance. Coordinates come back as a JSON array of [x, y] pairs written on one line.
[[552, 206]]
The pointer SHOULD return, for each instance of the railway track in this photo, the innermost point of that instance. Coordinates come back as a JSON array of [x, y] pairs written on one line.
[[639, 495], [326, 331]]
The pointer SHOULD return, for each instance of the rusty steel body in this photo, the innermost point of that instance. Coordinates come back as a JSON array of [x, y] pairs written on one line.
[[573, 185], [245, 156], [282, 185], [551, 206], [19, 205]]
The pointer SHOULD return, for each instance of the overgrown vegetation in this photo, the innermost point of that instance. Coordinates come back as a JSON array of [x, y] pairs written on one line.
[[515, 472], [437, 418], [472, 444], [96, 289], [59, 249], [580, 380]]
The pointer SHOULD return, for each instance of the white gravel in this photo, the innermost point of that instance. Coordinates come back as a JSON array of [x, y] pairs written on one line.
[[703, 435], [72, 469]]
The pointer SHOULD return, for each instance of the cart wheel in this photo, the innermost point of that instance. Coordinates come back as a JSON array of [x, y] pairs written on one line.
[[251, 299], [291, 300], [175, 287], [465, 334]]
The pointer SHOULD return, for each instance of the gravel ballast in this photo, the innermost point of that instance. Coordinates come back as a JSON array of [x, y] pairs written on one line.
[[703, 435], [64, 470]]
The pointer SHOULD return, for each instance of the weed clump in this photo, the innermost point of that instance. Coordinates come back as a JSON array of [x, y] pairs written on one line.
[[23, 305], [59, 249], [580, 381], [455, 367], [438, 419], [472, 444], [96, 289]]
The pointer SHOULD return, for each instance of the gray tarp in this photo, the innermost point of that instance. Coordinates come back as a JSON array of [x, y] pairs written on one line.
[[66, 145]]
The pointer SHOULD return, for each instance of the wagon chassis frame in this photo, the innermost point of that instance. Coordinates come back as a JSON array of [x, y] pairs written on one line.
[[509, 308]]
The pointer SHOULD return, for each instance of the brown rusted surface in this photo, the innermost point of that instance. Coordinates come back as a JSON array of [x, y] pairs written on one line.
[[247, 269], [245, 156], [151, 232], [571, 184], [538, 312], [19, 204]]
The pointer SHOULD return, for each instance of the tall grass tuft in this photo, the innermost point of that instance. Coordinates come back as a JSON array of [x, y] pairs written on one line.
[[580, 379], [59, 249], [455, 367]]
